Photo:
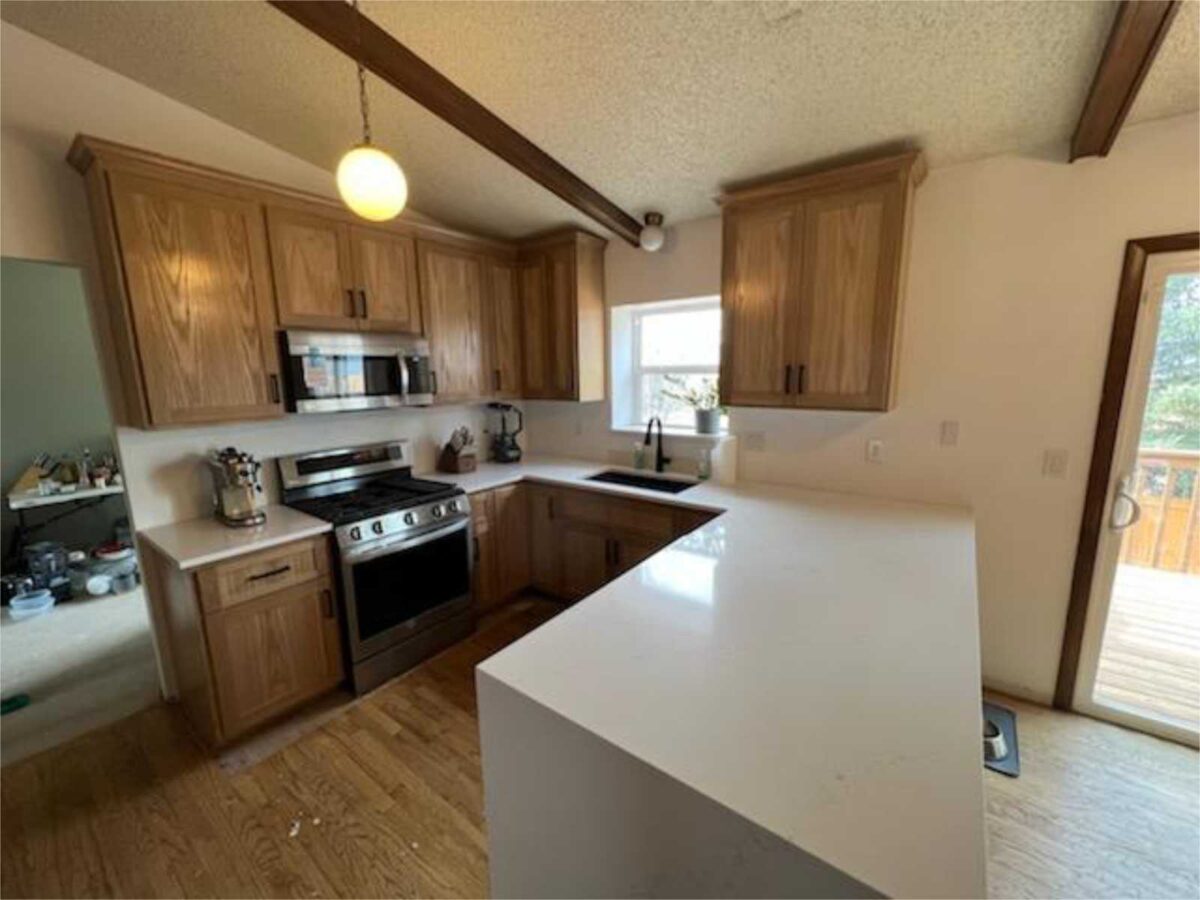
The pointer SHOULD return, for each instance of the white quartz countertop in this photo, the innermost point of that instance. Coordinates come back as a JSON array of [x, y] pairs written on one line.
[[199, 542], [808, 659]]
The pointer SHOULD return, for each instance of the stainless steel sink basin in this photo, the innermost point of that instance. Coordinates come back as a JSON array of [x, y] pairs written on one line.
[[666, 483]]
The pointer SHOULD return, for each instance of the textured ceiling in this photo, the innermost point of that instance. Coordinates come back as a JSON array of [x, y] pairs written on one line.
[[655, 104]]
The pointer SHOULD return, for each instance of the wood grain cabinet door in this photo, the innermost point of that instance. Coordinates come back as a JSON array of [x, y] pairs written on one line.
[[535, 327], [503, 324], [452, 295], [314, 270], [545, 556], [198, 284], [852, 248], [483, 576], [560, 292], [585, 559], [759, 304], [271, 653], [510, 508], [385, 266]]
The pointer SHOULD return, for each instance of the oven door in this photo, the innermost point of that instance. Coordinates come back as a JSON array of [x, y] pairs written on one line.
[[393, 591], [332, 372]]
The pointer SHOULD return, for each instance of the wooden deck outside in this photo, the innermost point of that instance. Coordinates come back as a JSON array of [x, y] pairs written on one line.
[[1150, 659]]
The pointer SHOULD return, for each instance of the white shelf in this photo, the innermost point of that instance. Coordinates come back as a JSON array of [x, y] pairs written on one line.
[[30, 499]]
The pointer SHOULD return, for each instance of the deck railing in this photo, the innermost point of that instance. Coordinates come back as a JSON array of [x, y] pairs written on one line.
[[1167, 487]]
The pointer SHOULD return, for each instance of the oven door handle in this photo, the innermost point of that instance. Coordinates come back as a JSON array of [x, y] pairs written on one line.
[[404, 382], [366, 554]]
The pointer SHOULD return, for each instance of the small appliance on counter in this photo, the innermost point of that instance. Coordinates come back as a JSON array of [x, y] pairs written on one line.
[[236, 488], [504, 448]]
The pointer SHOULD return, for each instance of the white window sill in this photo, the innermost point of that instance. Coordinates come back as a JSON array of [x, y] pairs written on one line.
[[671, 431]]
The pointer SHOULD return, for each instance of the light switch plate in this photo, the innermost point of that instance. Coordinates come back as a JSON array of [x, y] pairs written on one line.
[[1054, 463], [948, 435], [755, 440], [875, 451]]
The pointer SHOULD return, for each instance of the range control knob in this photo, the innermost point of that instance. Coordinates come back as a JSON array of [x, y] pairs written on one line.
[[410, 518], [377, 527], [452, 506], [356, 533], [436, 511]]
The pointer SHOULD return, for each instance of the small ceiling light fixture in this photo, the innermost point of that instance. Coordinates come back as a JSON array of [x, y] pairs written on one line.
[[652, 236], [371, 183]]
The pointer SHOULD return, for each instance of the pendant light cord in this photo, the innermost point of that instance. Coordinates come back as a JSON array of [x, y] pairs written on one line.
[[362, 75]]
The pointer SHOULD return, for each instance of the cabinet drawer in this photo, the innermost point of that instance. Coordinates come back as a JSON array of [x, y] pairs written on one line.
[[229, 583], [584, 507]]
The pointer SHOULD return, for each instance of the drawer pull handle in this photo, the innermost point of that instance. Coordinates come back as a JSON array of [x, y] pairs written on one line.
[[270, 574], [327, 603]]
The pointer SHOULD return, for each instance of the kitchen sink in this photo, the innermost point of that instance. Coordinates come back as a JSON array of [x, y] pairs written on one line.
[[665, 483]]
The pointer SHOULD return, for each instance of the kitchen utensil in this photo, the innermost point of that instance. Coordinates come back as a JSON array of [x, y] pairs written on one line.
[[236, 488], [35, 603]]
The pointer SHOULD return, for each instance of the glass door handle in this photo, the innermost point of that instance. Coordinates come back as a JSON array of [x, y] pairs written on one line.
[[1135, 508]]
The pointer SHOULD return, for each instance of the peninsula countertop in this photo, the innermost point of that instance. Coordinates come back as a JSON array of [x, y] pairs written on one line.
[[810, 660]]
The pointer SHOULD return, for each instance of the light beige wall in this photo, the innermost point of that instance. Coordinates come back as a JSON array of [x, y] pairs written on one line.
[[1012, 285], [47, 96]]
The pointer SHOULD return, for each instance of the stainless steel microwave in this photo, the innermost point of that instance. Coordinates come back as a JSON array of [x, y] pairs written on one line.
[[339, 371]]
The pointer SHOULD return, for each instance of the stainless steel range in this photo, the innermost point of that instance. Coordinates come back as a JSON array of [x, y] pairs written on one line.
[[404, 550]]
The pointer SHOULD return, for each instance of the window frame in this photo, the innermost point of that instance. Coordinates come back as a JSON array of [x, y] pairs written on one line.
[[637, 315]]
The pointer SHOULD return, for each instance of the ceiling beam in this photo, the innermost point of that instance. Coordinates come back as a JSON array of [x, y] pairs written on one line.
[[1137, 33], [382, 54]]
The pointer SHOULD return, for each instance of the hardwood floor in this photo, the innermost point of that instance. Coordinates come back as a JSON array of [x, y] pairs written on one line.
[[385, 799], [1099, 811]]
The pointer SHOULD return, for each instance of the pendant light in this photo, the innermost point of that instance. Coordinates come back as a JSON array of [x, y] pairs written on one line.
[[370, 182]]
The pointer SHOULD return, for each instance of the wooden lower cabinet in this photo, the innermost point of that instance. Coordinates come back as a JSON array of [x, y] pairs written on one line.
[[271, 653], [545, 558], [250, 637], [511, 517], [586, 557]]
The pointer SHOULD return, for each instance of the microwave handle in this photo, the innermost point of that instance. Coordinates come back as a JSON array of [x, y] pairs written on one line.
[[403, 375]]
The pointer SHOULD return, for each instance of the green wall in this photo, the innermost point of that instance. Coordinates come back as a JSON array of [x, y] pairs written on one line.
[[51, 394]]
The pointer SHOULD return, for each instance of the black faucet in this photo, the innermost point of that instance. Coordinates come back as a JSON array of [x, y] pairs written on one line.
[[660, 461]]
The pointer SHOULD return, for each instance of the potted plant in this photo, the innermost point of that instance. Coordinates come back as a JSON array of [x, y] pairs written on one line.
[[703, 398]]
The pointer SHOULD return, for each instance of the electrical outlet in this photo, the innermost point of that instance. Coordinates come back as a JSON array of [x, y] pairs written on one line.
[[948, 436], [755, 440], [1054, 463], [875, 451]]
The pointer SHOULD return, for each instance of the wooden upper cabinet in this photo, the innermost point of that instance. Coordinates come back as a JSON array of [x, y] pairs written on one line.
[[812, 286], [314, 270], [562, 301], [330, 274], [196, 307], [760, 308], [502, 324], [385, 266], [452, 297]]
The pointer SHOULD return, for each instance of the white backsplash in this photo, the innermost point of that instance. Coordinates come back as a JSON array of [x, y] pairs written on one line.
[[167, 479]]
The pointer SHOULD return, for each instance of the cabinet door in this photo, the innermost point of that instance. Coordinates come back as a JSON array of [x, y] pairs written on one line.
[[483, 576], [758, 300], [585, 560], [852, 245], [560, 299], [271, 653], [385, 267], [510, 509], [504, 329], [545, 560], [452, 292], [629, 550], [199, 288], [535, 327], [314, 271]]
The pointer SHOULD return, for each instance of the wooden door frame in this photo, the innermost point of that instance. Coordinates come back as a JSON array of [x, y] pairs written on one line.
[[1120, 348]]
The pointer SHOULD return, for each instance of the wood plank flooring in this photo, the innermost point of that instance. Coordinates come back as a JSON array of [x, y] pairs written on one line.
[[137, 809], [387, 797]]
